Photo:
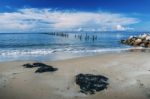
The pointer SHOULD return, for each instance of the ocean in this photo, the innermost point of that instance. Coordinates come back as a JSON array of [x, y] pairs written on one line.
[[54, 46]]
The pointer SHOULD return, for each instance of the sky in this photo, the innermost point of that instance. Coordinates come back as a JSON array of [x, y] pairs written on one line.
[[74, 15]]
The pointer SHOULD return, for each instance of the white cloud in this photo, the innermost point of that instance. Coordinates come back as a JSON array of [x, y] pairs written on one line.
[[30, 19], [122, 28]]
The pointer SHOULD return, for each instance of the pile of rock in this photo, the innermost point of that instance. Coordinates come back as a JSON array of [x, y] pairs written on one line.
[[90, 83], [141, 40], [41, 67]]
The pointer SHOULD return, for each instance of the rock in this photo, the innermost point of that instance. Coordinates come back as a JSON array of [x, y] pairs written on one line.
[[39, 64], [144, 36], [131, 37], [141, 40], [123, 41], [42, 67], [137, 42], [28, 65], [46, 69], [147, 38], [148, 45], [142, 45], [89, 83]]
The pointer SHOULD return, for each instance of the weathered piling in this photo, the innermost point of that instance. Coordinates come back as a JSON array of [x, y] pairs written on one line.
[[86, 37]]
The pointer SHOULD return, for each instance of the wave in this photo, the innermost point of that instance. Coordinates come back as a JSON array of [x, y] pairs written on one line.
[[53, 51]]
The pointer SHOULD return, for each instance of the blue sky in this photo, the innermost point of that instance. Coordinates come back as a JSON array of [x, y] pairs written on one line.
[[76, 15]]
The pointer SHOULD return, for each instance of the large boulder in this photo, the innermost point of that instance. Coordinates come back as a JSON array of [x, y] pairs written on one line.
[[148, 45], [148, 38], [137, 42], [143, 36], [89, 83]]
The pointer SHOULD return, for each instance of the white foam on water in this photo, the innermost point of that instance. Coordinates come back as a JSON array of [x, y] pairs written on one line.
[[51, 51], [53, 54]]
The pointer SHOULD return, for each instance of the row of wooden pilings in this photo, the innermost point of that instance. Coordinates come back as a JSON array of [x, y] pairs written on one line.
[[85, 37], [66, 35]]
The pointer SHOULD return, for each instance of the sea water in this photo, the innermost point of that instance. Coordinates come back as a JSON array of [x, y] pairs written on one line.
[[46, 47]]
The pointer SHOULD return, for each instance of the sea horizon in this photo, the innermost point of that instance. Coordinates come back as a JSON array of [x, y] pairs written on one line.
[[115, 31]]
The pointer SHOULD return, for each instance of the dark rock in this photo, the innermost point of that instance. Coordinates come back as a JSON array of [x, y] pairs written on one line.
[[42, 67], [89, 83], [45, 69], [123, 41], [28, 65], [148, 44], [39, 64]]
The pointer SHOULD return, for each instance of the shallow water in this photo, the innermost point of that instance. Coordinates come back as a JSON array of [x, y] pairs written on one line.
[[43, 46]]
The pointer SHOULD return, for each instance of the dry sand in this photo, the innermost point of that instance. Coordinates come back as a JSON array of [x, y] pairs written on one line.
[[128, 73]]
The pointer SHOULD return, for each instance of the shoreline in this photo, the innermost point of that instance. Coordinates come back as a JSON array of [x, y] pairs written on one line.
[[70, 55], [128, 75], [54, 56]]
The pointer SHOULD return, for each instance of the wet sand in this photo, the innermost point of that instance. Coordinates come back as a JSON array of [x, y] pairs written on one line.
[[128, 73]]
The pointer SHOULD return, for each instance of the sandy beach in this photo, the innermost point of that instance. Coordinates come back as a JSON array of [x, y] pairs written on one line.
[[128, 73], [74, 49]]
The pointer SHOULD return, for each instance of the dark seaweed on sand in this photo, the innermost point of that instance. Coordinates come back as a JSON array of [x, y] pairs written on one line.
[[41, 67], [89, 84]]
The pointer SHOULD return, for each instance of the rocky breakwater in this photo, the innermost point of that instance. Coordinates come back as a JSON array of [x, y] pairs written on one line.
[[141, 40]]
